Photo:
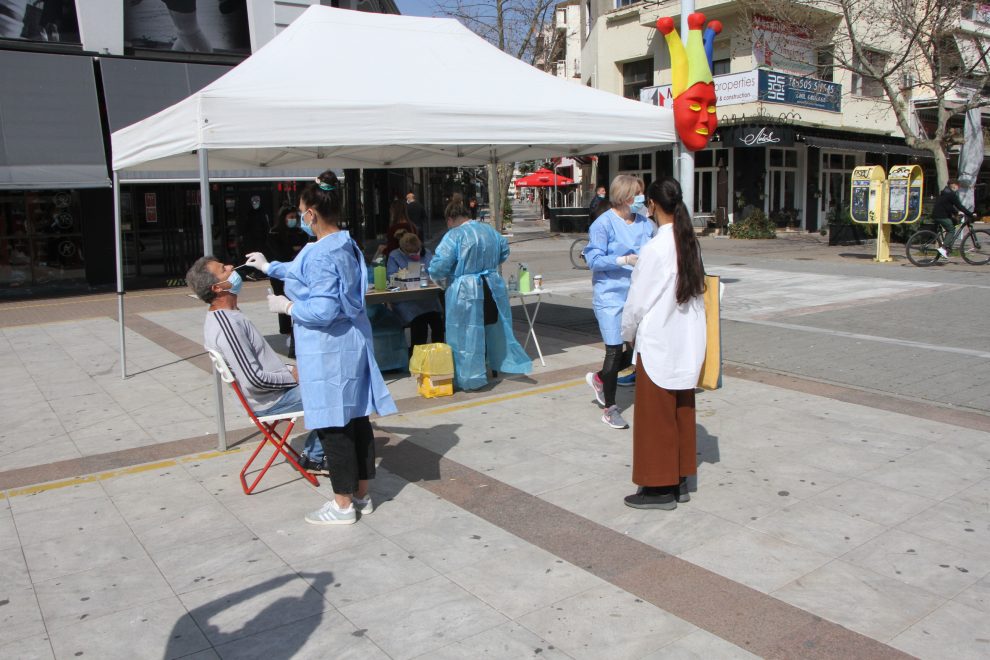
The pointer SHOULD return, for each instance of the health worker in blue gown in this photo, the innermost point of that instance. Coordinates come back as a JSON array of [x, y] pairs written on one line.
[[479, 318], [338, 376], [614, 241]]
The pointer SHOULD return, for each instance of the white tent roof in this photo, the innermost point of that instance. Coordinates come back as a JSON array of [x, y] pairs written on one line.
[[353, 89]]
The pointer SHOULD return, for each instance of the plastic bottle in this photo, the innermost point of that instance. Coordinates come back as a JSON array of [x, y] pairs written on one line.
[[512, 283], [380, 275], [525, 281]]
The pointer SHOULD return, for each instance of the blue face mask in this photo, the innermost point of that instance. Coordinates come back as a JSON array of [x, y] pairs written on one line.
[[292, 223], [235, 282], [638, 203], [305, 227]]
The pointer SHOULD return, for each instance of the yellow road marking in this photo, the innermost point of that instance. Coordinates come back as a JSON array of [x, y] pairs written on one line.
[[110, 474], [504, 397]]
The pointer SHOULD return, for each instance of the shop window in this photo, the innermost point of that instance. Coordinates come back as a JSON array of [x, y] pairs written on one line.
[[635, 76], [782, 175], [826, 64], [704, 158], [40, 240], [869, 86]]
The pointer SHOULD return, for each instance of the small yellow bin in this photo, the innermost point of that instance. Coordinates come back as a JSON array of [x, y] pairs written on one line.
[[433, 365]]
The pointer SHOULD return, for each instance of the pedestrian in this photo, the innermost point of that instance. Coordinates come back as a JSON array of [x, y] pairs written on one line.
[[285, 240], [665, 318], [614, 241], [599, 199], [479, 318], [472, 207], [423, 317], [416, 213], [946, 207], [338, 375]]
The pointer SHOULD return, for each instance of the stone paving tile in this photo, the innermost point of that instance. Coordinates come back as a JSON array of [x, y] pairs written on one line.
[[509, 641], [966, 527], [920, 562], [20, 617], [422, 617], [755, 559], [700, 645], [37, 647], [952, 631], [99, 591], [314, 638], [246, 606], [181, 529], [93, 547], [8, 533], [606, 622], [859, 599], [930, 469], [155, 630], [65, 522], [858, 499], [458, 542], [976, 596], [523, 580], [56, 497], [539, 475], [817, 528]]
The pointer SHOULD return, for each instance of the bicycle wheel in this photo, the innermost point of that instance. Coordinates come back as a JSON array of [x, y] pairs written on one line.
[[577, 253], [975, 248], [922, 248]]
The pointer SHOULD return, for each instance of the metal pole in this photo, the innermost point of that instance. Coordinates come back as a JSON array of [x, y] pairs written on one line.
[[206, 216], [686, 158], [494, 196], [118, 240]]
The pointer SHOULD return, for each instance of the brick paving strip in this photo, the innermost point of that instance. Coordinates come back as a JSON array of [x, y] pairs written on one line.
[[749, 619]]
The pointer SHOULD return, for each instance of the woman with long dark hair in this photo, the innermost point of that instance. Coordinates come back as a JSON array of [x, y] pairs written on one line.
[[338, 376], [665, 317], [285, 240]]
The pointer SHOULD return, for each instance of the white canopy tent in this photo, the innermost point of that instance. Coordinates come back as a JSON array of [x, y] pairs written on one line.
[[348, 89]]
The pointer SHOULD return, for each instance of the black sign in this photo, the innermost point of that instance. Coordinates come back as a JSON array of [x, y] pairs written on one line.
[[758, 136]]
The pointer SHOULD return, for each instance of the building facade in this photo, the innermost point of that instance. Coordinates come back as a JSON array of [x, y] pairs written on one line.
[[791, 125]]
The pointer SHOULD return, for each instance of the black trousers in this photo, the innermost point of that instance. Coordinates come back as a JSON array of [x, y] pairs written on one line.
[[350, 452], [429, 324], [616, 360]]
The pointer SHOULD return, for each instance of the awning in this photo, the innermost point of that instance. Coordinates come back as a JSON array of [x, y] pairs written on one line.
[[861, 145], [50, 132], [975, 52]]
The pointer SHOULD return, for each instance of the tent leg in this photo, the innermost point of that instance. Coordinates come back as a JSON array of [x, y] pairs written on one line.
[[494, 194], [205, 214], [119, 256]]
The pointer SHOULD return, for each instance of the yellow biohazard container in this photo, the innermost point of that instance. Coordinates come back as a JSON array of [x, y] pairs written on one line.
[[433, 365]]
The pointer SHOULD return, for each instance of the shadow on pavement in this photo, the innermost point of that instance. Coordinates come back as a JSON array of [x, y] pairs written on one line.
[[415, 458]]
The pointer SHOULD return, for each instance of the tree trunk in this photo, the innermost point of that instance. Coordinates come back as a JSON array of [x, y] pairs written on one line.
[[941, 168]]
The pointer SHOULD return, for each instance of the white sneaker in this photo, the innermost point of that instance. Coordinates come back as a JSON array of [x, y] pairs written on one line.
[[595, 383], [942, 252], [365, 507], [331, 514]]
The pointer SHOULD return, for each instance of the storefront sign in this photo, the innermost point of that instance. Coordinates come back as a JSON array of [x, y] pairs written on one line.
[[782, 46], [730, 89], [776, 87], [758, 136], [150, 207]]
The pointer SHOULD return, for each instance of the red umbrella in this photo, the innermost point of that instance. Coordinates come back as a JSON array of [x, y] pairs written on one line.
[[543, 178]]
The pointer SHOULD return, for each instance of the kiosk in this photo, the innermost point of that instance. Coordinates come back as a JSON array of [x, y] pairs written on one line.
[[886, 200]]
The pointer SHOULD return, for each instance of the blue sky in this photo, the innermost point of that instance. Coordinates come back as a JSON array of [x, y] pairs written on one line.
[[415, 7]]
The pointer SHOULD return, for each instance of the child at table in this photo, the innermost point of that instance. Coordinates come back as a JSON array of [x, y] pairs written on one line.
[[423, 317]]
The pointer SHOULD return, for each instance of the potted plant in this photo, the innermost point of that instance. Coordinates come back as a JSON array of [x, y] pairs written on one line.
[[841, 229]]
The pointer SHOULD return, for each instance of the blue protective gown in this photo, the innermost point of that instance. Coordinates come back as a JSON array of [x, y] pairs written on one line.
[[467, 254], [611, 237], [409, 310], [338, 376]]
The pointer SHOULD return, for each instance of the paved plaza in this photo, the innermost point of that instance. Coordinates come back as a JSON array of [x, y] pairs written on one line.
[[842, 505]]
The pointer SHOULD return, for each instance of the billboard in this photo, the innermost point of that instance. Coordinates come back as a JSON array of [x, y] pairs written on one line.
[[762, 85], [39, 20], [197, 26], [782, 46], [730, 89]]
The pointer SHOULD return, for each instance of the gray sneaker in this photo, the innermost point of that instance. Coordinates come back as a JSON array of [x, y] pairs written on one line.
[[365, 507], [612, 417], [595, 383], [331, 514]]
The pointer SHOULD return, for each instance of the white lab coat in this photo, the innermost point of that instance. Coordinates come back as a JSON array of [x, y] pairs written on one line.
[[670, 338]]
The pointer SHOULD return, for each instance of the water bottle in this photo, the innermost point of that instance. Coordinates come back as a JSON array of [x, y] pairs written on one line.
[[525, 282], [512, 283], [380, 276]]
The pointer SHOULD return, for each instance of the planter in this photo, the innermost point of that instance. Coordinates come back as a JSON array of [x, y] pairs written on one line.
[[843, 234]]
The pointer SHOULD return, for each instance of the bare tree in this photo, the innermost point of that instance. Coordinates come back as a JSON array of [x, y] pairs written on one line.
[[908, 54], [520, 28]]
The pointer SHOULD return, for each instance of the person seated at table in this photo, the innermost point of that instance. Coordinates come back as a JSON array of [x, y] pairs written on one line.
[[479, 317], [399, 223], [269, 385], [423, 317]]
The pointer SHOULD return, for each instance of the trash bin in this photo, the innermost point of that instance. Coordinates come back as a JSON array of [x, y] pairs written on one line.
[[433, 365]]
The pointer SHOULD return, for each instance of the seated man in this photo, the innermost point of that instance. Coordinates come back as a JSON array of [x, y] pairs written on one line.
[[269, 385]]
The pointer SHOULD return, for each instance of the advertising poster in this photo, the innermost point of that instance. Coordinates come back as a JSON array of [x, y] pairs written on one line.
[[39, 20], [197, 26], [801, 91], [730, 89], [151, 207], [782, 46]]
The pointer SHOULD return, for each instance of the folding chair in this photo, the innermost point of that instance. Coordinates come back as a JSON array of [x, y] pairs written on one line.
[[267, 424]]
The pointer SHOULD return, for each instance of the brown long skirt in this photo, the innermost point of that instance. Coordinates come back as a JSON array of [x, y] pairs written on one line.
[[664, 437]]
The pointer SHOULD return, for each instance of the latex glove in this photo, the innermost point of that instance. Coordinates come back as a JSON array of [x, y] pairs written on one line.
[[628, 260], [257, 260], [278, 304]]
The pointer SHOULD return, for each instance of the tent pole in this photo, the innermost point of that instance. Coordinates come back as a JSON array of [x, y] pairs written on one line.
[[494, 198], [119, 257], [205, 214]]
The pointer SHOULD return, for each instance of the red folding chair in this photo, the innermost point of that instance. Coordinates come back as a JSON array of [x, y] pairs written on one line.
[[267, 424]]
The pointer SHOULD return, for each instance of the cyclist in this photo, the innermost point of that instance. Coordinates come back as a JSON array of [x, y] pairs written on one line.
[[946, 207]]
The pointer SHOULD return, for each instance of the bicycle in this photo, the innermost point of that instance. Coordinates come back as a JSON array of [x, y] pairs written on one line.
[[577, 253], [973, 245]]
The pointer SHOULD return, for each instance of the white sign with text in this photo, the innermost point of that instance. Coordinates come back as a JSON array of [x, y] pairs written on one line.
[[730, 89]]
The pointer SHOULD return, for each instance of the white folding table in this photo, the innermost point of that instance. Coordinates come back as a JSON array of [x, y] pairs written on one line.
[[531, 318]]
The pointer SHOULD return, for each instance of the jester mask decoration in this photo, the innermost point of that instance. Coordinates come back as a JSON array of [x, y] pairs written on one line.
[[693, 88]]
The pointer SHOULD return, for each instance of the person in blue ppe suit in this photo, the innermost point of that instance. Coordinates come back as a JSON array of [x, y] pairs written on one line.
[[614, 241], [479, 318], [338, 376], [424, 317]]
